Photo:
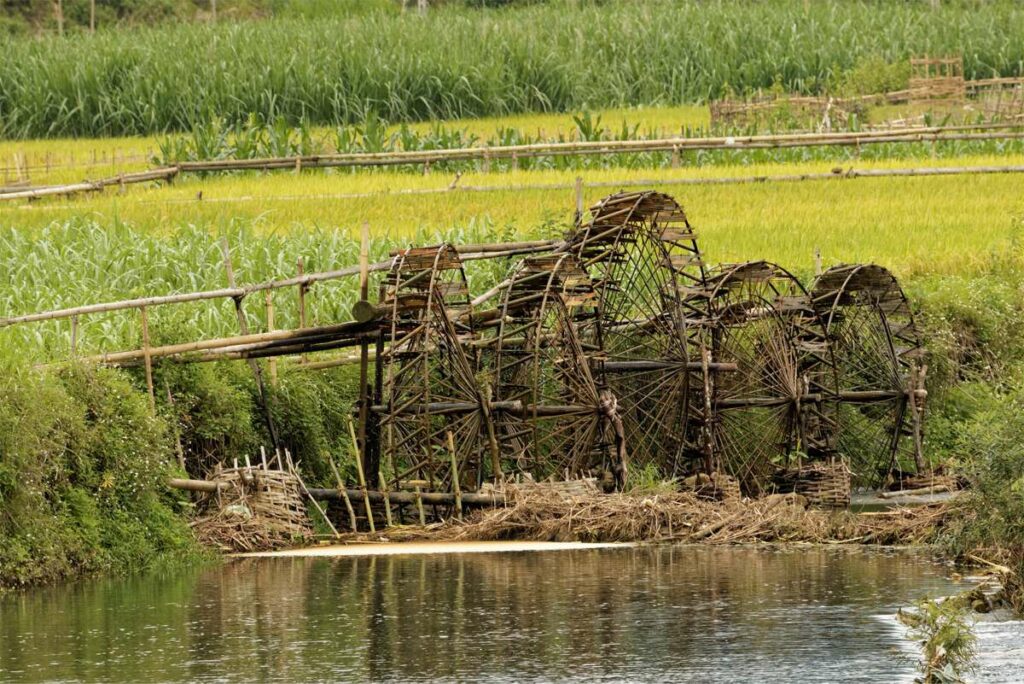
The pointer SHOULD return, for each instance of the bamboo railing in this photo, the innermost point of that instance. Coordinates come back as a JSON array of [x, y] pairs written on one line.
[[934, 134]]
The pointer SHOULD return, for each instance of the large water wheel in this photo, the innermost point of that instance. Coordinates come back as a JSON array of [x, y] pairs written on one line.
[[648, 275], [777, 405], [553, 416], [879, 351], [430, 410]]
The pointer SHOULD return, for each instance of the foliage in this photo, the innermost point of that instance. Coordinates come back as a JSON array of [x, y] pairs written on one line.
[[948, 644], [558, 56], [872, 75], [81, 468]]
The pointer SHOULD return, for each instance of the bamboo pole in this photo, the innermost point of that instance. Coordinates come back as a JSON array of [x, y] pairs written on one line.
[[321, 494], [419, 506], [179, 450], [257, 372], [455, 476], [240, 342], [579, 201], [364, 345], [312, 499], [300, 272], [515, 152], [674, 145], [58, 12], [362, 476], [147, 359], [241, 292], [272, 364], [344, 496], [74, 337], [387, 499]]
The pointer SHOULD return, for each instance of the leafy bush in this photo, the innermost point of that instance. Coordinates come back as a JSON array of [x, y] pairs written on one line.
[[82, 463]]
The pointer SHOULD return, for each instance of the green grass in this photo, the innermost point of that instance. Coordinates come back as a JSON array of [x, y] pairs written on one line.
[[558, 56]]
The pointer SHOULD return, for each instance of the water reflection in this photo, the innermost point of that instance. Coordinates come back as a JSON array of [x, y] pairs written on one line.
[[661, 613]]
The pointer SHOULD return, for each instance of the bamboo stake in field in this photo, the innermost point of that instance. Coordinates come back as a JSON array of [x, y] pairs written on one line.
[[257, 372], [74, 337], [364, 345], [147, 359], [272, 364]]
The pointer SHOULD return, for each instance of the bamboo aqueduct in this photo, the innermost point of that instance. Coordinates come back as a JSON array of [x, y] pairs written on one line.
[[613, 349]]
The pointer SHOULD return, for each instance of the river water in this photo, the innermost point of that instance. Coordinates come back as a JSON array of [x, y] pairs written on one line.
[[645, 613]]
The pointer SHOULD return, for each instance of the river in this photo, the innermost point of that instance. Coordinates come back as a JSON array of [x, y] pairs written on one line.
[[644, 613]]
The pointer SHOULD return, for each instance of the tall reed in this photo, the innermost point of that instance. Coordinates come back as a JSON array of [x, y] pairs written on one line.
[[457, 62]]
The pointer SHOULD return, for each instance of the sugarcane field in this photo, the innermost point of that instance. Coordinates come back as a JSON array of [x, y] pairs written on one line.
[[511, 340]]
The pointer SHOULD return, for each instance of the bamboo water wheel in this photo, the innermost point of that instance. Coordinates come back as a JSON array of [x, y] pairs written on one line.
[[778, 404], [879, 350], [643, 256], [431, 411], [554, 416]]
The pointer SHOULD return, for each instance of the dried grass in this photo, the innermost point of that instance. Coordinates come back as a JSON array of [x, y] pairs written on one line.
[[547, 515]]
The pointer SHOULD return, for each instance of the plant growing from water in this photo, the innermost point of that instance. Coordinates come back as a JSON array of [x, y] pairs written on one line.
[[943, 629]]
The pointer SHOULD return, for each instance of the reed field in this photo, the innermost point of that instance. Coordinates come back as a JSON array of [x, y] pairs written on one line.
[[546, 57]]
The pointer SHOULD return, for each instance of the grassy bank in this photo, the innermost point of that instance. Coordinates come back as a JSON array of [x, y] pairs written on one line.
[[558, 56]]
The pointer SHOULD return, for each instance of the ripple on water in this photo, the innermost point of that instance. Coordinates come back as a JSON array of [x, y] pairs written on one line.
[[643, 613]]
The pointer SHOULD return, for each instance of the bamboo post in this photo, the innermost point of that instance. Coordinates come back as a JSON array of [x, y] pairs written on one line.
[[362, 476], [579, 200], [58, 13], [916, 383], [709, 449], [301, 271], [387, 499], [213, 10], [179, 450], [364, 345], [316, 504], [257, 372], [92, 16], [455, 476], [147, 359], [74, 336], [343, 491], [272, 363], [419, 507]]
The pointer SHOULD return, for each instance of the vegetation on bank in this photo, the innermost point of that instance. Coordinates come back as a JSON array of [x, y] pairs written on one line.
[[81, 459], [82, 463], [555, 56]]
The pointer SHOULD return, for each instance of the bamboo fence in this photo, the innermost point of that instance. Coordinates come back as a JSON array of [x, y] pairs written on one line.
[[934, 134]]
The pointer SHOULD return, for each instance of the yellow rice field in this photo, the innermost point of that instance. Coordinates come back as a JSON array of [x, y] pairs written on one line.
[[916, 225]]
